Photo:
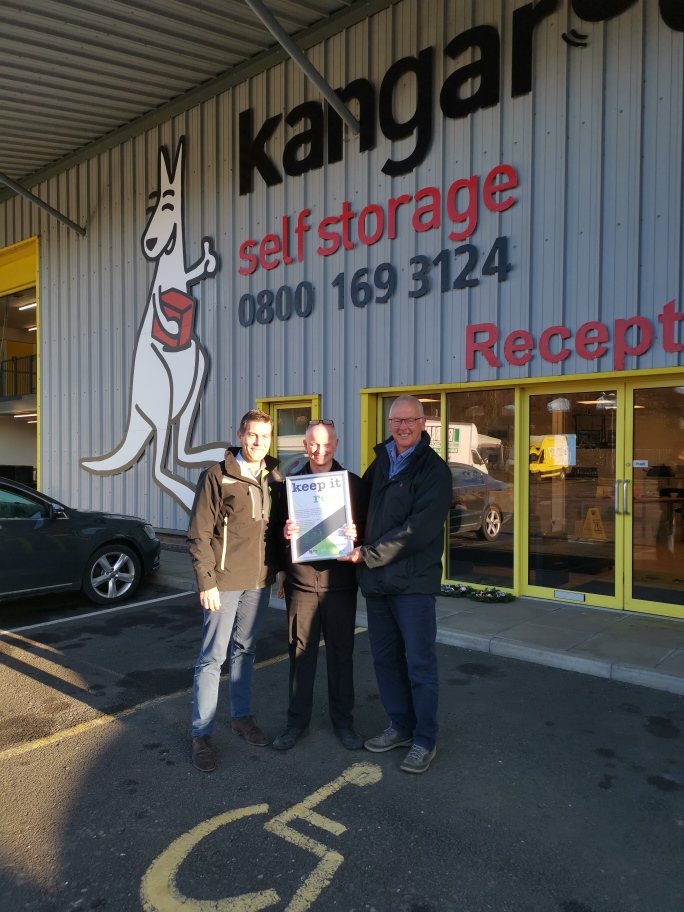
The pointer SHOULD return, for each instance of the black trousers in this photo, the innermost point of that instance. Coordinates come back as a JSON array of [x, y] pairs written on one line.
[[332, 613]]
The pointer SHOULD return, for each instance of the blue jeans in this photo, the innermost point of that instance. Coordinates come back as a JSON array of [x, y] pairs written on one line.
[[402, 630], [236, 624]]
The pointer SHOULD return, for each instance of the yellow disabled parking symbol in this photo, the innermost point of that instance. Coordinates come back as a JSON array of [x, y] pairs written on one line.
[[159, 892], [593, 526]]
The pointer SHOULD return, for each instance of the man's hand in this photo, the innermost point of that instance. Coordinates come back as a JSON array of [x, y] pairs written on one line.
[[350, 531], [291, 528], [210, 600], [280, 581], [355, 556]]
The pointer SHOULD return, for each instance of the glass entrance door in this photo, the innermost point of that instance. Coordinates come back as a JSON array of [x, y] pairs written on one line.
[[653, 501], [574, 541], [605, 495]]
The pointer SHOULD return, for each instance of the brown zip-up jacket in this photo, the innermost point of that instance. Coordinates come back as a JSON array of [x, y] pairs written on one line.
[[231, 536]]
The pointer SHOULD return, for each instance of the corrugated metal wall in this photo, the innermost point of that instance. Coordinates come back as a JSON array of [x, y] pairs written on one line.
[[596, 234]]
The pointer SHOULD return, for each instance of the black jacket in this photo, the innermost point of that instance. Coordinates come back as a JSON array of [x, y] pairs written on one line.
[[319, 576], [405, 524], [232, 534]]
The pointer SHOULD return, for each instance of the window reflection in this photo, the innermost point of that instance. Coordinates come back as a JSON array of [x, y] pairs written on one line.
[[291, 424], [480, 454], [572, 491]]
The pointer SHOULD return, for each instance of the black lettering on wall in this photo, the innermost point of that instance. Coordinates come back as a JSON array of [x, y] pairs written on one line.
[[672, 12], [486, 38], [364, 92], [525, 20], [420, 122], [600, 10], [252, 153], [314, 137]]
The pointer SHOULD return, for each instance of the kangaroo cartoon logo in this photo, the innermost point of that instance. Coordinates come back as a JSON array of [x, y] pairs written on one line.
[[169, 363]]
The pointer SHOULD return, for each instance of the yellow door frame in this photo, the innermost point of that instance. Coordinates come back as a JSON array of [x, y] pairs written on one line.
[[272, 405], [522, 506], [632, 385], [623, 382], [19, 270]]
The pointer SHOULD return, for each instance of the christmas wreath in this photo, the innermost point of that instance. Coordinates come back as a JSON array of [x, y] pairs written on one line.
[[489, 596]]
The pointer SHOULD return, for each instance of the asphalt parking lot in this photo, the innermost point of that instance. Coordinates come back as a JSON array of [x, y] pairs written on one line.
[[551, 791]]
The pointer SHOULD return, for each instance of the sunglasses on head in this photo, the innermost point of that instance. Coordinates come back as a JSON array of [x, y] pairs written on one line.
[[327, 421]]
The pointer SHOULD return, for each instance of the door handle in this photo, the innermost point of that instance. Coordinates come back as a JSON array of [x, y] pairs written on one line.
[[625, 504], [617, 496]]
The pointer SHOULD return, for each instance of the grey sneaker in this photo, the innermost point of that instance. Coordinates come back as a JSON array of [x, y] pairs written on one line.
[[389, 739], [418, 759]]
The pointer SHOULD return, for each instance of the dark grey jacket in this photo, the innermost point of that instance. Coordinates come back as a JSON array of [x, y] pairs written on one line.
[[232, 534], [404, 538]]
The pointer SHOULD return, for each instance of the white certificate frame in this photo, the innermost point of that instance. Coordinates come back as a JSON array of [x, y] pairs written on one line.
[[316, 540]]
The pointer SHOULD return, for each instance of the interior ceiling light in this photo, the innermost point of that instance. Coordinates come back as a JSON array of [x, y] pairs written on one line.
[[428, 400], [28, 306], [27, 415], [32, 422], [32, 329]]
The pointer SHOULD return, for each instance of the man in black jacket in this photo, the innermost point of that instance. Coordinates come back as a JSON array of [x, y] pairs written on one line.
[[401, 570], [321, 596], [236, 551]]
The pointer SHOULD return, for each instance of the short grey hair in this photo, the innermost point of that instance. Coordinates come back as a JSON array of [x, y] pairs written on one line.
[[421, 410]]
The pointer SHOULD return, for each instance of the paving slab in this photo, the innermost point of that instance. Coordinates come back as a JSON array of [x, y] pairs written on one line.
[[632, 648], [630, 652], [540, 635]]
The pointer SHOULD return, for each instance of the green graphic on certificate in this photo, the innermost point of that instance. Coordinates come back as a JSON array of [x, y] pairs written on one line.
[[321, 507]]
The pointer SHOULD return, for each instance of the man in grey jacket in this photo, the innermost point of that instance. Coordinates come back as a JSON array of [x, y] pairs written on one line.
[[235, 554], [401, 570]]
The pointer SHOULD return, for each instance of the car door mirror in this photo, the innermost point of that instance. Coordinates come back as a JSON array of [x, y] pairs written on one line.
[[57, 511]]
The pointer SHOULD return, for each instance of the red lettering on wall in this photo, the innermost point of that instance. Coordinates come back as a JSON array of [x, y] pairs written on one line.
[[668, 318], [468, 185], [249, 257], [484, 347], [490, 188], [644, 336], [433, 210], [392, 206], [377, 211], [328, 236], [270, 246], [544, 344], [584, 339], [512, 346]]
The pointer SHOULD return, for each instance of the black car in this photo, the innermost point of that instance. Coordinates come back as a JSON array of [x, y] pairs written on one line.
[[46, 546], [480, 504]]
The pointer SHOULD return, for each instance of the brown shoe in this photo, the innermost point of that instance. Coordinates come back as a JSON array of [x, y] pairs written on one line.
[[250, 731], [203, 757]]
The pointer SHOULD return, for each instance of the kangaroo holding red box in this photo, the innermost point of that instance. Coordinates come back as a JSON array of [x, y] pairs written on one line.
[[169, 363]]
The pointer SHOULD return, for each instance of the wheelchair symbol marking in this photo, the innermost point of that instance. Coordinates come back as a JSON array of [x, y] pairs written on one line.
[[159, 892]]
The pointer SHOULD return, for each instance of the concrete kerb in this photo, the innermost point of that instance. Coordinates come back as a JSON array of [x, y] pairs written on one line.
[[497, 644]]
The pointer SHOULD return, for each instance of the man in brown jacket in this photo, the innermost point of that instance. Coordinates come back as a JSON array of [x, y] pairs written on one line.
[[235, 554]]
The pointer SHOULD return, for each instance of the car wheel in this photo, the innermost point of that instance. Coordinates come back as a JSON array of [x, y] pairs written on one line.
[[491, 524], [111, 574]]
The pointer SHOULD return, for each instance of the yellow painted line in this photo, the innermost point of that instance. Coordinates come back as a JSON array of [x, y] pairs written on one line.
[[159, 892], [18, 750], [105, 719]]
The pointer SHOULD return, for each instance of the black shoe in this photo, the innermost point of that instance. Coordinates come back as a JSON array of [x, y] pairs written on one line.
[[289, 738], [349, 738], [203, 757]]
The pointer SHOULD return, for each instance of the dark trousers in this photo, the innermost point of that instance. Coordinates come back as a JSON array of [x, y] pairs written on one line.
[[332, 613], [402, 630]]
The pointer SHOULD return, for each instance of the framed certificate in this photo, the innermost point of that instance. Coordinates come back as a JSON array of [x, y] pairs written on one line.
[[321, 507]]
